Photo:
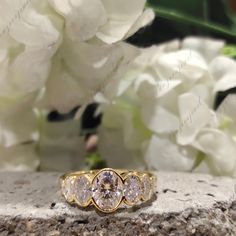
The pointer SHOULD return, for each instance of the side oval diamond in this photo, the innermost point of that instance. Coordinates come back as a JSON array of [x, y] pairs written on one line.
[[147, 187], [68, 188], [132, 189], [107, 187], [82, 191]]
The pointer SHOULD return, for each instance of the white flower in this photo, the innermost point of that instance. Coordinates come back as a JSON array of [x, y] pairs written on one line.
[[91, 59], [59, 55], [84, 70], [227, 114], [220, 151], [19, 158], [208, 48], [18, 134], [194, 115], [108, 20], [27, 46], [172, 88], [163, 153]]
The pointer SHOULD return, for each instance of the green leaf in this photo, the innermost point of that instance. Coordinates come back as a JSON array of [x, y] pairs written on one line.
[[95, 161], [230, 51], [200, 157], [193, 7], [184, 18], [231, 15]]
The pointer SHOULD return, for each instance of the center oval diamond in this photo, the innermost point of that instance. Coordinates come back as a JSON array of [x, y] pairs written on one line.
[[107, 190]]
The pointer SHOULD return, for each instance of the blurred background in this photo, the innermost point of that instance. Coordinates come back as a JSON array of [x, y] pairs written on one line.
[[174, 19], [204, 18]]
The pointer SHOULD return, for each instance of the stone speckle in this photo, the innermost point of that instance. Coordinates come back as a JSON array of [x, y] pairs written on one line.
[[186, 204]]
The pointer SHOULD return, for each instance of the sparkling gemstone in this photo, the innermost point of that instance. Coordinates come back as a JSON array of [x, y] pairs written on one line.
[[132, 189], [83, 192], [68, 188], [107, 190], [147, 187]]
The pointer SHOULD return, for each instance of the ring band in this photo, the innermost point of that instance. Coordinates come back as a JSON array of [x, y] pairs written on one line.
[[107, 188]]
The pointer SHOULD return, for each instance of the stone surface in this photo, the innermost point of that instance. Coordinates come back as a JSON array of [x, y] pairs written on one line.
[[186, 204]]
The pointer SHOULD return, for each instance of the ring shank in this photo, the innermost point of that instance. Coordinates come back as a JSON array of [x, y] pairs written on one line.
[[145, 180]]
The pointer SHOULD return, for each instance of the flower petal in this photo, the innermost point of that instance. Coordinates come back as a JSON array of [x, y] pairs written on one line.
[[227, 107], [147, 86], [5, 84], [220, 149], [228, 81], [32, 28], [9, 106], [221, 66], [19, 158], [147, 16], [149, 56], [14, 130], [227, 114], [62, 82], [158, 119], [194, 115], [25, 80], [162, 154], [83, 18], [122, 15], [183, 64], [99, 61], [208, 48]]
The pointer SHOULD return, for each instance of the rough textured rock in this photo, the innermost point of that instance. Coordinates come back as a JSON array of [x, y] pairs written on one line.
[[186, 204]]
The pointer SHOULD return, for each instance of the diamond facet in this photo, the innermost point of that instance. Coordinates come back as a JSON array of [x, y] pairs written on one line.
[[107, 190], [132, 189], [82, 190], [68, 188], [147, 187]]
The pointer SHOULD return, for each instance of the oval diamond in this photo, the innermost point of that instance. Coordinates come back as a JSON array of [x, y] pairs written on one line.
[[147, 187], [82, 190], [132, 189], [68, 188], [107, 190]]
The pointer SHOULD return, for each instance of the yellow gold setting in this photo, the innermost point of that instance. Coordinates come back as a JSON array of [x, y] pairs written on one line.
[[107, 189]]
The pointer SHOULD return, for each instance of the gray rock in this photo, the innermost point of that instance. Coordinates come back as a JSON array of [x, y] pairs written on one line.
[[186, 204]]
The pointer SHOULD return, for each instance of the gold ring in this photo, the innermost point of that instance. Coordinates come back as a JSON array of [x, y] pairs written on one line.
[[108, 188]]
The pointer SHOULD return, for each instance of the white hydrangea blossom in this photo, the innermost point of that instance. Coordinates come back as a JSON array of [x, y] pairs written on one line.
[[55, 55], [166, 113]]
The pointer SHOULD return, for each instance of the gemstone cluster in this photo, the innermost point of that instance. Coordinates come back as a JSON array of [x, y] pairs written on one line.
[[107, 189]]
